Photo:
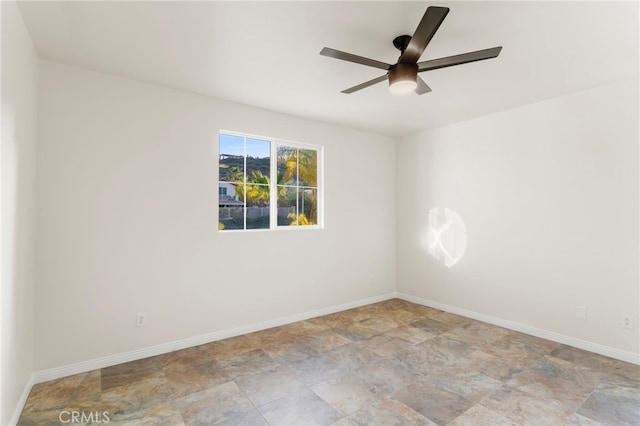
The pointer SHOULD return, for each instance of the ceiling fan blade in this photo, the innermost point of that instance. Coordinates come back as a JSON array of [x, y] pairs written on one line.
[[422, 87], [427, 27], [366, 84], [337, 54], [464, 58]]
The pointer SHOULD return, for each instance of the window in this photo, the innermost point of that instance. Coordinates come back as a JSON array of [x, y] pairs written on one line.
[[267, 184]]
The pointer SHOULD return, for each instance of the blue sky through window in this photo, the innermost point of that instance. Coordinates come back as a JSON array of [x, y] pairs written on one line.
[[234, 145]]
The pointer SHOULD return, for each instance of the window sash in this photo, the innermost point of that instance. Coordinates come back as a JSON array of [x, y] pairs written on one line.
[[273, 183]]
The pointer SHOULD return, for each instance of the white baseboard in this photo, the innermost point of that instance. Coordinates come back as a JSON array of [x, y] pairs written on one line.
[[22, 400], [528, 329], [94, 364]]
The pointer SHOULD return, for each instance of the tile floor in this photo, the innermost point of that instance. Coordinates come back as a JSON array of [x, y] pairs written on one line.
[[390, 363]]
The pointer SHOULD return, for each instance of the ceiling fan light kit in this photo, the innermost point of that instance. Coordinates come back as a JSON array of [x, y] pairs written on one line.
[[403, 78], [403, 75]]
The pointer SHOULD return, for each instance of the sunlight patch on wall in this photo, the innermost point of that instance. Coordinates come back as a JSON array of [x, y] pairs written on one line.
[[445, 237]]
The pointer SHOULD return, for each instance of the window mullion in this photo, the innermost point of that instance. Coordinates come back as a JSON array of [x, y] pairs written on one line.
[[273, 188], [244, 184], [298, 186]]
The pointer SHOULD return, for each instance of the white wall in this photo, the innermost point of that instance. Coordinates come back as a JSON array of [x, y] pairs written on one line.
[[127, 217], [127, 185], [18, 152], [549, 196]]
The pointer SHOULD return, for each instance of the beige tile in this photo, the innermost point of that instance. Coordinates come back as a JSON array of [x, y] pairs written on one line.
[[136, 395], [227, 348], [479, 334], [77, 392], [363, 313], [356, 331], [431, 325], [580, 356], [438, 405], [481, 416], [246, 363], [288, 351], [519, 348], [446, 347], [342, 318], [248, 418], [615, 402], [387, 412], [325, 341], [326, 322], [448, 318], [262, 388], [420, 310], [401, 316], [623, 369], [503, 369], [124, 374], [380, 324], [523, 408], [65, 416], [366, 312], [299, 408], [310, 326], [192, 370], [353, 355], [346, 394], [578, 420], [395, 304], [385, 346], [316, 368], [289, 333], [470, 384], [551, 377], [420, 360], [386, 376], [44, 417], [217, 405], [411, 335], [597, 362], [166, 414]]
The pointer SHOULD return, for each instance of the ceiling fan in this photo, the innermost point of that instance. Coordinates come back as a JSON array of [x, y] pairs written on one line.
[[403, 75]]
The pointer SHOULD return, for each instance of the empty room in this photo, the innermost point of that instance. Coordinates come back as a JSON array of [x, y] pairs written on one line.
[[318, 213]]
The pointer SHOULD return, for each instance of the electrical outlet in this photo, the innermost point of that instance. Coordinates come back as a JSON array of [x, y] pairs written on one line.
[[627, 321], [141, 319], [581, 312]]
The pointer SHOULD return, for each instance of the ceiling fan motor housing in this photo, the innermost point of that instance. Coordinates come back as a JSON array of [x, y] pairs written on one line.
[[403, 71]]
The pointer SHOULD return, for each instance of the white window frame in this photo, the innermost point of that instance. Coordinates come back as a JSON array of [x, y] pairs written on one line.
[[273, 184]]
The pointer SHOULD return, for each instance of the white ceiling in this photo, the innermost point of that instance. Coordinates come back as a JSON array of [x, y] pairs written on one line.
[[266, 54]]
